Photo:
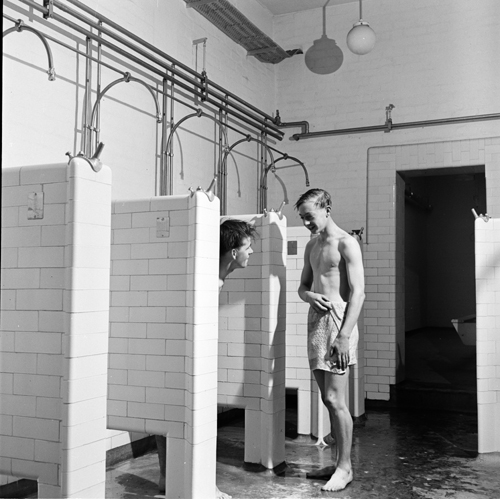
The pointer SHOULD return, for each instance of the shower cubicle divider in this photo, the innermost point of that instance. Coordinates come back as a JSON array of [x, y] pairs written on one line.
[[54, 325], [163, 331], [252, 316]]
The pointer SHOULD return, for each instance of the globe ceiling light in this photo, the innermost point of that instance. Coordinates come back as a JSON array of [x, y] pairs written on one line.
[[325, 56], [361, 39]]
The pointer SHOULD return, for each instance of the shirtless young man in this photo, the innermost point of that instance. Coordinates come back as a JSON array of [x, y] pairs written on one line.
[[332, 282], [236, 239]]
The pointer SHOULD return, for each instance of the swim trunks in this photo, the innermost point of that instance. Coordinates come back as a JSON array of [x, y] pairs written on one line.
[[322, 329]]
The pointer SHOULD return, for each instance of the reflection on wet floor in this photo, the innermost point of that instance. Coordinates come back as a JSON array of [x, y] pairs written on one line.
[[396, 454]]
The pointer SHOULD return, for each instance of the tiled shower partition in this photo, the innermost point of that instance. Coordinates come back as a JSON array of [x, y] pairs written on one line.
[[54, 325], [163, 331], [252, 316], [487, 249]]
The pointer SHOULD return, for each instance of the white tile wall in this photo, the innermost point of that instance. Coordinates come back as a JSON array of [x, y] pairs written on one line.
[[53, 334], [487, 241], [162, 376], [384, 312], [252, 314]]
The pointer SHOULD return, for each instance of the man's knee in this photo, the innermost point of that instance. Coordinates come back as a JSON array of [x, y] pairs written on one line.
[[334, 402]]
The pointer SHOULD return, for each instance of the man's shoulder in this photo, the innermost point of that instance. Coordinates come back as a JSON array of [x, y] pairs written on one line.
[[349, 245]]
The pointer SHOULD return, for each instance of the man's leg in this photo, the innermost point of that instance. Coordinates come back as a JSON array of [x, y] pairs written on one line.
[[333, 391], [326, 472]]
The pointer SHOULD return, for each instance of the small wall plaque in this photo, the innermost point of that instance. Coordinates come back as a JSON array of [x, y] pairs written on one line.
[[292, 247], [35, 205], [163, 227]]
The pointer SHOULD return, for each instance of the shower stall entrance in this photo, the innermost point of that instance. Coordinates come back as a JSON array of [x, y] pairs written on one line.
[[439, 286]]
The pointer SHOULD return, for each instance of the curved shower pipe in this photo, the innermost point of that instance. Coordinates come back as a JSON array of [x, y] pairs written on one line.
[[273, 168], [285, 196], [20, 26], [248, 138], [126, 78], [168, 152]]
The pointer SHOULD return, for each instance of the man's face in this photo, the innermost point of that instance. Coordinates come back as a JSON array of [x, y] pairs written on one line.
[[242, 254], [313, 218]]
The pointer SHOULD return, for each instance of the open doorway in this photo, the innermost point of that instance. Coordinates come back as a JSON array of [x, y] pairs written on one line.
[[440, 281]]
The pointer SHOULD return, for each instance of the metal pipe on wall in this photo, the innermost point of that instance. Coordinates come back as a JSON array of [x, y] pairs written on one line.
[[87, 125], [20, 26], [265, 123], [396, 126], [154, 49], [227, 105]]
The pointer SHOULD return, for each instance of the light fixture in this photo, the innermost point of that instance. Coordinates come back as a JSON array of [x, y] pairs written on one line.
[[361, 38], [325, 56]]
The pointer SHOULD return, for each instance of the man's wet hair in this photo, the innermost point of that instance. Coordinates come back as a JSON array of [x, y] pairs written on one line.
[[321, 197], [233, 234]]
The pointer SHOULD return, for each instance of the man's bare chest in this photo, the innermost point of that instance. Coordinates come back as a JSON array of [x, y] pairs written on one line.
[[325, 257]]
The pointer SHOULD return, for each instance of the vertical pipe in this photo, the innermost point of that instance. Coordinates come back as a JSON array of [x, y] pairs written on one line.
[[169, 188], [263, 167], [86, 130], [160, 189], [217, 171], [223, 193], [98, 91]]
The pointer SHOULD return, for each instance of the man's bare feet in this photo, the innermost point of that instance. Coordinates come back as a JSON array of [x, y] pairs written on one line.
[[321, 474], [221, 495], [339, 480]]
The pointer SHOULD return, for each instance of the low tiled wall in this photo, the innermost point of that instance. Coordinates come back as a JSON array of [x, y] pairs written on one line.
[[163, 331], [54, 321], [487, 249], [252, 342]]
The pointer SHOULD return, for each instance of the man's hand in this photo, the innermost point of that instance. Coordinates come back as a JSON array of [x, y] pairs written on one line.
[[339, 352], [320, 303]]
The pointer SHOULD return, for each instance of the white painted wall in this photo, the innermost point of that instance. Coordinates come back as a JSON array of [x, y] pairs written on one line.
[[42, 119], [431, 60]]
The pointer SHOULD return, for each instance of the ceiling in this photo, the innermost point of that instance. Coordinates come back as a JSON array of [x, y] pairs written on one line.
[[277, 7]]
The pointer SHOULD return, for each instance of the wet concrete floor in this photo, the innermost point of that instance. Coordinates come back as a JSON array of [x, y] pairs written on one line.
[[397, 454]]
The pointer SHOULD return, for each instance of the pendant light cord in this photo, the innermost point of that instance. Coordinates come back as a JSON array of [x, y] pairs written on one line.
[[324, 17]]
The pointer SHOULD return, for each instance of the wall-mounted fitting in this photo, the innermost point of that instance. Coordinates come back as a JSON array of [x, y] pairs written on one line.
[[94, 162], [388, 118], [35, 205], [484, 217]]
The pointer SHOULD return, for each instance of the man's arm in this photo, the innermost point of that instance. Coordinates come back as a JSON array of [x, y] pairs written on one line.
[[318, 302], [351, 252]]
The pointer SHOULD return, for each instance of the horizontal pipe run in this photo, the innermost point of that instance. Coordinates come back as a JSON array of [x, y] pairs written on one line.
[[157, 51], [395, 126], [193, 81]]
